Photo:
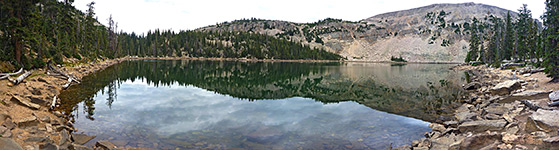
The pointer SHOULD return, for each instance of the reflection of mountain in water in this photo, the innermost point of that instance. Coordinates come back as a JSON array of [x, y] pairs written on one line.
[[418, 91]]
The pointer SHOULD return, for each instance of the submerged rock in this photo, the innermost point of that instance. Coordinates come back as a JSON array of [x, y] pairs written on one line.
[[506, 87], [482, 125], [105, 145], [81, 138]]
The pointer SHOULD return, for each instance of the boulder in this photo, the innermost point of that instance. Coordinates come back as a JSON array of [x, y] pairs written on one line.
[[105, 145], [504, 88], [551, 142], [49, 146], [64, 137], [38, 101], [528, 95], [78, 147], [543, 120], [482, 126], [481, 141], [554, 96], [8, 143], [81, 138], [25, 103], [472, 86], [437, 127], [465, 116], [9, 124], [37, 139], [27, 122], [495, 109]]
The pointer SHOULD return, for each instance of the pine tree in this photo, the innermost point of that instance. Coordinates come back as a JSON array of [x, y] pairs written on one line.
[[508, 44], [551, 22], [522, 30], [474, 42]]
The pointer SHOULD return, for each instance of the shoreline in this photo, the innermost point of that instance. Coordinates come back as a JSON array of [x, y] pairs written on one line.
[[278, 60], [505, 110], [25, 117]]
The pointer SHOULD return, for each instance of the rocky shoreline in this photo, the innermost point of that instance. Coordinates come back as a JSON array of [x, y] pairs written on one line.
[[506, 109], [26, 121]]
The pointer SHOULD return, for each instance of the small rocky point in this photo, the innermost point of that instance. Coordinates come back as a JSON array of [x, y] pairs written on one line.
[[503, 111], [27, 122]]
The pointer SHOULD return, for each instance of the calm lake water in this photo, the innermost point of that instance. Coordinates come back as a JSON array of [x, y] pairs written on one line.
[[169, 104]]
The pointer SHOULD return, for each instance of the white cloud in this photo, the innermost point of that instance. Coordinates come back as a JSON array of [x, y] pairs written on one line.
[[143, 15]]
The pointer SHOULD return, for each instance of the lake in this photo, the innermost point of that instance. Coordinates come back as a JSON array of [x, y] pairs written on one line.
[[194, 104]]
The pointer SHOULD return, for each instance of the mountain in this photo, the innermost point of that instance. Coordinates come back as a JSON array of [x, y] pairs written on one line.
[[434, 33]]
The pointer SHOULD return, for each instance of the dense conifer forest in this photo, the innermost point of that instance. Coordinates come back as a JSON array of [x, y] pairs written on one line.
[[496, 40], [34, 31]]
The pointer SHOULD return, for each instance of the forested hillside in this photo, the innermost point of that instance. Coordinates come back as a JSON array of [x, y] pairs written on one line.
[[34, 31]]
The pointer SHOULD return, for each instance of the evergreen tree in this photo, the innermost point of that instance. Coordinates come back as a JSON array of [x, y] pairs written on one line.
[[523, 31], [508, 44], [474, 42], [551, 22]]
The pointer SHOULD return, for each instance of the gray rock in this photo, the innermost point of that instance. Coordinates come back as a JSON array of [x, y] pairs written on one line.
[[78, 147], [528, 95], [9, 124], [64, 137], [81, 138], [482, 126], [495, 109], [453, 124], [543, 120], [49, 146], [105, 145], [472, 86], [551, 142], [506, 87], [38, 101], [4, 117], [45, 119], [37, 139], [25, 103], [9, 144], [27, 122], [480, 141], [465, 116], [554, 96]]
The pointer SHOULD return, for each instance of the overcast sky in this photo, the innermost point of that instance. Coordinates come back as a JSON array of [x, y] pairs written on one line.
[[142, 15]]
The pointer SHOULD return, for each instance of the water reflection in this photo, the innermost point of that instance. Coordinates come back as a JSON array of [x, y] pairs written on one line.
[[212, 104]]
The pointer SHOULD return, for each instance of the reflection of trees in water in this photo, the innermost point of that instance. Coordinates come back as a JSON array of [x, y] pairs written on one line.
[[260, 80]]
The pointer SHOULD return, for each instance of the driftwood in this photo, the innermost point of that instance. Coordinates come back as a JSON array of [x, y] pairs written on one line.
[[21, 77], [11, 74], [53, 102], [58, 72], [556, 103], [6, 75], [65, 86], [532, 70], [530, 105]]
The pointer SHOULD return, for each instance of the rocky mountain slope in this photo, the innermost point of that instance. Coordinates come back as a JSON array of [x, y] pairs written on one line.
[[434, 33]]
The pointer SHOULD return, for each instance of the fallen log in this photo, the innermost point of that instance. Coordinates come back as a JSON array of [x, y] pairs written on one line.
[[65, 86], [503, 66], [11, 74], [57, 71], [530, 105], [4, 77], [21, 77], [553, 103], [532, 70]]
